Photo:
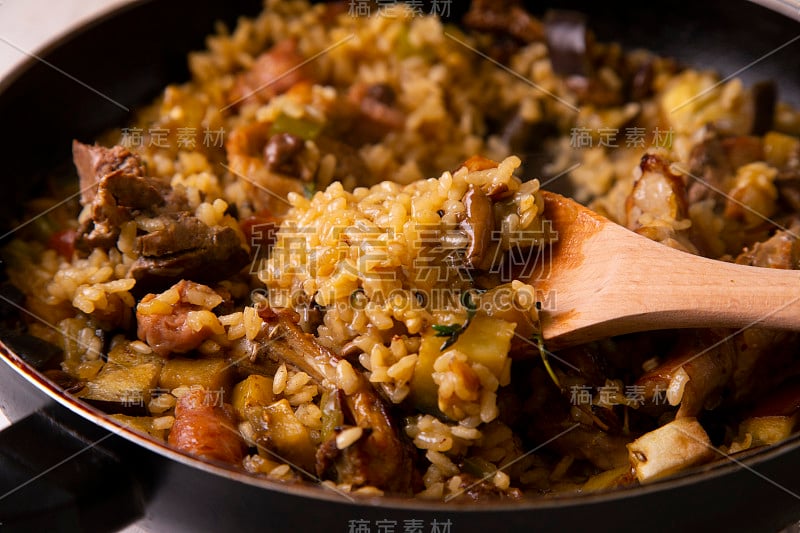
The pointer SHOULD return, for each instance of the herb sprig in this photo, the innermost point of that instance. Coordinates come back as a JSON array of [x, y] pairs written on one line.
[[539, 341], [453, 331]]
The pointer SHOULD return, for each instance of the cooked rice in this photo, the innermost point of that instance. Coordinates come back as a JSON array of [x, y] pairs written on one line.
[[359, 252]]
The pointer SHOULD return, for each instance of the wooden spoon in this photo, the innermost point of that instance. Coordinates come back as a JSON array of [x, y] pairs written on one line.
[[603, 280]]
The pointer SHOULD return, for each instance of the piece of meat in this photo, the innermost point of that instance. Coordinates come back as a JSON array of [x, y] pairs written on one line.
[[376, 112], [382, 457], [133, 192], [206, 430], [117, 200], [273, 72], [172, 333], [505, 18], [180, 232], [779, 251], [113, 184], [186, 248], [95, 162], [281, 151]]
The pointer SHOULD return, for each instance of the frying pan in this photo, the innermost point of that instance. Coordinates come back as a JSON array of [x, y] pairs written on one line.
[[65, 466]]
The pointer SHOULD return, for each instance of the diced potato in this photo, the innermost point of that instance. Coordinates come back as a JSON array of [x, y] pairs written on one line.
[[424, 392], [253, 391], [143, 424], [285, 435], [123, 389], [680, 444], [778, 148], [768, 429], [211, 374], [486, 341]]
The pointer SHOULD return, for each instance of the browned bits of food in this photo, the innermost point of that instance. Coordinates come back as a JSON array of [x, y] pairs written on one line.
[[478, 225], [377, 113], [178, 320], [95, 162], [266, 190], [568, 43], [185, 247], [115, 188], [782, 250], [275, 71], [504, 18], [476, 163], [206, 430], [178, 243], [280, 151]]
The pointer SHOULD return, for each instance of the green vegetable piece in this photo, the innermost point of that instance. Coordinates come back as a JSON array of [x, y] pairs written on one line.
[[304, 128]]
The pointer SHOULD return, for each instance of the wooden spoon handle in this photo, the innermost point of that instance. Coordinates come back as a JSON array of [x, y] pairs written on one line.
[[626, 283]]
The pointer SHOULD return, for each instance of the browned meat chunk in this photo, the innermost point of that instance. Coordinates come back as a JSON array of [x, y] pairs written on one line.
[[281, 151], [274, 72], [172, 332], [779, 251], [376, 112], [379, 458], [95, 162], [206, 430], [117, 199], [658, 196], [506, 18], [187, 248], [113, 184]]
